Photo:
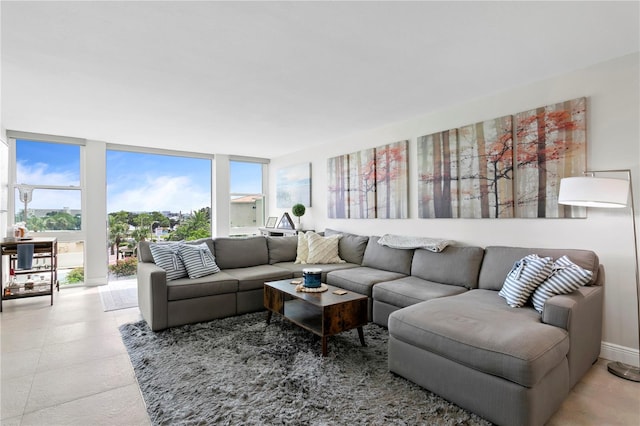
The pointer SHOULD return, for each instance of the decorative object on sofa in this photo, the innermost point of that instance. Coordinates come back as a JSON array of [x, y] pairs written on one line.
[[466, 172], [407, 242], [550, 142], [372, 183], [323, 249], [591, 191], [271, 222], [525, 276], [564, 279], [285, 222], [312, 277], [198, 260], [298, 210], [293, 185]]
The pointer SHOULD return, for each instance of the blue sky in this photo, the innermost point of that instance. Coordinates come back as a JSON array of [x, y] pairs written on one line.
[[135, 181]]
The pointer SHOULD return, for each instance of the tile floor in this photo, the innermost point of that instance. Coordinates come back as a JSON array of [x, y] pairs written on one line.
[[66, 365]]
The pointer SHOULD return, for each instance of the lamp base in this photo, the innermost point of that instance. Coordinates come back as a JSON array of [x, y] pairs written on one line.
[[625, 371]]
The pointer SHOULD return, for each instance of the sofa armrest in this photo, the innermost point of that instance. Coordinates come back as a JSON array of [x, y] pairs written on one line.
[[152, 295], [580, 313]]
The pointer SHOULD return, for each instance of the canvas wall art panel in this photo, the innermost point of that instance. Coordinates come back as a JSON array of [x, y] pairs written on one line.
[[392, 180], [438, 175], [550, 145], [362, 184], [485, 169], [293, 186], [338, 187]]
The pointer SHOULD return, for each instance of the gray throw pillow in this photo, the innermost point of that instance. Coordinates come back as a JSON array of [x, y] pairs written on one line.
[[166, 256], [525, 276], [198, 260], [565, 278]]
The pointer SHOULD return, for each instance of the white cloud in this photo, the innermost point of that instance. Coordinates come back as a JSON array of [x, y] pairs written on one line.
[[37, 174], [157, 193]]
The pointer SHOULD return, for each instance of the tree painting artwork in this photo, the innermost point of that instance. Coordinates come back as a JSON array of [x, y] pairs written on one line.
[[338, 187], [550, 145], [392, 186], [293, 186], [438, 175], [362, 184], [467, 172], [368, 184], [485, 169]]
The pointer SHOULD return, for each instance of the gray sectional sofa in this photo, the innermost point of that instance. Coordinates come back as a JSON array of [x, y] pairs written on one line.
[[449, 330]]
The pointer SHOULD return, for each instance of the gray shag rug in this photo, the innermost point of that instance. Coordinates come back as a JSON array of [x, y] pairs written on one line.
[[238, 370]]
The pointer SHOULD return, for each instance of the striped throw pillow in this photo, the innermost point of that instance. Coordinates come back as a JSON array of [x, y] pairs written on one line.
[[525, 276], [565, 278], [166, 256], [198, 259]]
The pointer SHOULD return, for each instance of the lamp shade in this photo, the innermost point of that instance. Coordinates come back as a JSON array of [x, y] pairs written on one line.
[[587, 191]]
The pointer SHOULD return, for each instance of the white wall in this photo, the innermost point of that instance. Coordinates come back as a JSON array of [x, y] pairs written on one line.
[[613, 110]]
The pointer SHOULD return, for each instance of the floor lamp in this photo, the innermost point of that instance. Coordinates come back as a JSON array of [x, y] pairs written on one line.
[[591, 191]]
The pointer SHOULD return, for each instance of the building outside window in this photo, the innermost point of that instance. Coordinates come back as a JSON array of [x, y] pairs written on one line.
[[247, 203]]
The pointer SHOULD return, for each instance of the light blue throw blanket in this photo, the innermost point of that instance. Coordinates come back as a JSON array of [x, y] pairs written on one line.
[[25, 256]]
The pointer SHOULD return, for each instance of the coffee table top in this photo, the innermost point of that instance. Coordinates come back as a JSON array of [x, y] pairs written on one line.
[[326, 298]]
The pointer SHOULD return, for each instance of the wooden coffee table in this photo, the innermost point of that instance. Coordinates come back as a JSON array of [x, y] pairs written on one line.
[[323, 314]]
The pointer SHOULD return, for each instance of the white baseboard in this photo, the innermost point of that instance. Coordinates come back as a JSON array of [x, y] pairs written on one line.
[[96, 281], [619, 353]]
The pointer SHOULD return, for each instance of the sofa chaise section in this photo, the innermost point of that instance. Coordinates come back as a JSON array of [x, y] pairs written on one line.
[[509, 365]]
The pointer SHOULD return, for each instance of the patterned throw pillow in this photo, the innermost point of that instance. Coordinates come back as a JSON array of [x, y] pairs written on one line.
[[564, 279], [165, 255], [303, 247], [198, 260], [525, 276], [324, 249]]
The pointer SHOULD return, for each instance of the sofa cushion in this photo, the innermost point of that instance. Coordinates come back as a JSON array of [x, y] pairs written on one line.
[[254, 277], [470, 329], [351, 246], [282, 249], [323, 249], [389, 259], [302, 249], [241, 252], [198, 260], [408, 291], [525, 276], [498, 261], [167, 256], [360, 279], [296, 268], [564, 279], [458, 266], [209, 285]]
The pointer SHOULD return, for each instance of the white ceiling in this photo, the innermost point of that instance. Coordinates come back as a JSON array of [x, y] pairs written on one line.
[[268, 78]]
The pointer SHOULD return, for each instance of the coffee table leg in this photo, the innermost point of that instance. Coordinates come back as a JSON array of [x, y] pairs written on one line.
[[269, 313], [324, 346], [361, 336]]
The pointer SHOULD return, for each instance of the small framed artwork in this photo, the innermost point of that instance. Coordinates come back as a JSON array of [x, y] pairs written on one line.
[[286, 222], [271, 222]]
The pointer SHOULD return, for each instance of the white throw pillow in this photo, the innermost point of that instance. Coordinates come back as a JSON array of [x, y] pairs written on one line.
[[166, 256], [198, 260], [303, 247], [324, 249], [525, 276], [565, 278]]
